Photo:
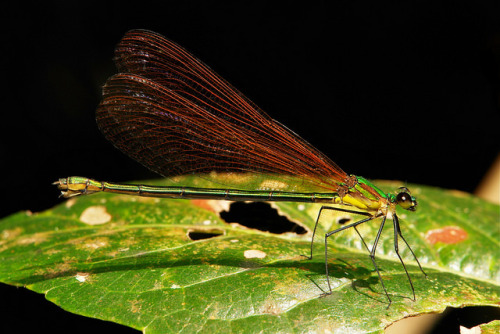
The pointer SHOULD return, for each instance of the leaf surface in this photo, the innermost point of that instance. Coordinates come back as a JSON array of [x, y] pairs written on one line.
[[132, 260]]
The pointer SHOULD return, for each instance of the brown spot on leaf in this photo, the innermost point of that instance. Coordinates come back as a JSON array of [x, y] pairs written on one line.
[[446, 235], [271, 307], [70, 202], [254, 253], [35, 238], [58, 270], [11, 234], [135, 306], [211, 205], [82, 277], [91, 243], [95, 215]]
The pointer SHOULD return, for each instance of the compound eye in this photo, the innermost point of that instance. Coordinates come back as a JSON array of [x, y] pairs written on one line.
[[406, 201]]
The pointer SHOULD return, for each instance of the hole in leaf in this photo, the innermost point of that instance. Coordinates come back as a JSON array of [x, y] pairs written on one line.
[[343, 220], [453, 318], [447, 322], [260, 216], [203, 234]]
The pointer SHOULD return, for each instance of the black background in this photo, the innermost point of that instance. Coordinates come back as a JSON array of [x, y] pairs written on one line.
[[389, 90]]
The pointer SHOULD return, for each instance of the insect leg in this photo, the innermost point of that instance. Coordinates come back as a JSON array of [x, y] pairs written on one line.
[[343, 228], [397, 230], [338, 230], [372, 257]]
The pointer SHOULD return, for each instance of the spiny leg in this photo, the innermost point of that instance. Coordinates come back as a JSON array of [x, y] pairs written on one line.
[[315, 226], [372, 257], [396, 248], [372, 251], [363, 240], [407, 245], [338, 230], [334, 209], [397, 230]]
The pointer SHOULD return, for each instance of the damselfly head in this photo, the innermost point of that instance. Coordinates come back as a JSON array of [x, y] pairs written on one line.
[[405, 200]]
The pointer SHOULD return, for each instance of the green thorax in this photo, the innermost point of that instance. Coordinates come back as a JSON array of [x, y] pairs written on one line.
[[365, 195]]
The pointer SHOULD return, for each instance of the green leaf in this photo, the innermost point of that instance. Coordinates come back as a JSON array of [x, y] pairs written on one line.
[[490, 328], [131, 260]]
